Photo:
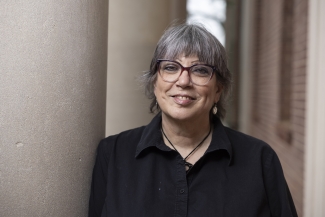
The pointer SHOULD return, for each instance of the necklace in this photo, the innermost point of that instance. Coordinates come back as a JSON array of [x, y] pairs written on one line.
[[189, 165]]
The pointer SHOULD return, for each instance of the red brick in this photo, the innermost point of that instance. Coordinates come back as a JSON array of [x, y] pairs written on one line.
[[266, 96]]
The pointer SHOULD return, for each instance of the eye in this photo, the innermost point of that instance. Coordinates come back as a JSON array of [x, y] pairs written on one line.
[[202, 71], [170, 67]]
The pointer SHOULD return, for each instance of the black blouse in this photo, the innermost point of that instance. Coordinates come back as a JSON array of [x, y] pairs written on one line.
[[136, 174]]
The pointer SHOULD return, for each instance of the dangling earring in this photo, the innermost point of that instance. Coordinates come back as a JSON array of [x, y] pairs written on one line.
[[157, 106], [215, 109]]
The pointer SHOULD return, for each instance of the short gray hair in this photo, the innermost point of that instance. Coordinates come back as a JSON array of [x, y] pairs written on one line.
[[190, 39]]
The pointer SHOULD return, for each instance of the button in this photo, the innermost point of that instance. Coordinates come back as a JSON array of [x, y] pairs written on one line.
[[181, 191]]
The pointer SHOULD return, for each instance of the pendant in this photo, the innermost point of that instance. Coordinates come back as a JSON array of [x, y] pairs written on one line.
[[189, 165]]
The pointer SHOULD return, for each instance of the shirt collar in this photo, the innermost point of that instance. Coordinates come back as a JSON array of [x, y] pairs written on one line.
[[220, 140], [151, 137]]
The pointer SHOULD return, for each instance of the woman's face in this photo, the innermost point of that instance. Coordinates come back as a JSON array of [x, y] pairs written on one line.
[[183, 100]]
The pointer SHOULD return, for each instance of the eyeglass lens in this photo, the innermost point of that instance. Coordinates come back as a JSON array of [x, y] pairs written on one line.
[[199, 74]]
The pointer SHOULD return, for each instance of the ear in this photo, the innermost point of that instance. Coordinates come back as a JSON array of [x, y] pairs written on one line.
[[155, 90], [218, 93]]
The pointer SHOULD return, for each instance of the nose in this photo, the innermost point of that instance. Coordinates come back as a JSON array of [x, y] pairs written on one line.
[[184, 79]]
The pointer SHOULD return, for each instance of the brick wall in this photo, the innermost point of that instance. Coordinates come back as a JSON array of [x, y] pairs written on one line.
[[273, 58]]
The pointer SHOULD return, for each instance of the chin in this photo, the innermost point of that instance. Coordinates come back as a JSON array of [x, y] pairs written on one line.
[[182, 115]]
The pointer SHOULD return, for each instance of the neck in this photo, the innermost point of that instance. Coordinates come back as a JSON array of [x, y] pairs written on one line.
[[185, 134]]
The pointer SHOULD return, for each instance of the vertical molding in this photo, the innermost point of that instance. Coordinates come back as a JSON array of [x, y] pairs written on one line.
[[134, 30], [232, 30], [246, 54], [178, 10], [314, 194]]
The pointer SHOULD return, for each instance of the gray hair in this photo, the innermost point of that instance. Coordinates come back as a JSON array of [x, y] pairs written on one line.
[[190, 39]]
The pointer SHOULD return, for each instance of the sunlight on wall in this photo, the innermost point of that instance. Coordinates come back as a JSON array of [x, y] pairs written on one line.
[[211, 13]]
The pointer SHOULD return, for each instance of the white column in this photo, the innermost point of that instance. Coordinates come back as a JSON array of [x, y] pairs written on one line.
[[134, 30], [53, 57], [314, 201], [246, 54]]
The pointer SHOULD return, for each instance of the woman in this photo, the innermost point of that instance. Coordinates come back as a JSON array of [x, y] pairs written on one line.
[[185, 162]]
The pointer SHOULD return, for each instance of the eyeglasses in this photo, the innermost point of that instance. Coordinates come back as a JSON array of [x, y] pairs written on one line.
[[170, 71]]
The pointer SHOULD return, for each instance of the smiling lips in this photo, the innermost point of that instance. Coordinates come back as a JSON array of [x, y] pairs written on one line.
[[183, 99]]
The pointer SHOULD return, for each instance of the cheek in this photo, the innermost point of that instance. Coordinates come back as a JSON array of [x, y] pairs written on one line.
[[161, 87], [158, 90], [155, 88]]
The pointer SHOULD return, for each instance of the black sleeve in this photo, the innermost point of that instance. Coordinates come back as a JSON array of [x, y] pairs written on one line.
[[99, 179], [278, 193]]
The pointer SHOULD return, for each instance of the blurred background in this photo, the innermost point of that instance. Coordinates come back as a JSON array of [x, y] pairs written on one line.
[[62, 63]]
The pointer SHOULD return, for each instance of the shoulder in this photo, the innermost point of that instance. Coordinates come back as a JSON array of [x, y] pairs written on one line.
[[239, 137], [131, 135], [248, 147], [245, 141], [125, 140]]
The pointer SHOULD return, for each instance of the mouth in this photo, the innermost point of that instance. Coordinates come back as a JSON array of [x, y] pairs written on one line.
[[183, 97]]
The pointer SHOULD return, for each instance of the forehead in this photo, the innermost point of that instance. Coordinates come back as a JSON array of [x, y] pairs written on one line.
[[187, 59]]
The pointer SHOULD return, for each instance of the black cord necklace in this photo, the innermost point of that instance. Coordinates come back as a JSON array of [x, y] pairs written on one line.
[[189, 165]]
